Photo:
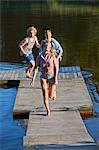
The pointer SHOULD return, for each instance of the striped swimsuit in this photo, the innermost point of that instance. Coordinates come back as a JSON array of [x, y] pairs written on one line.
[[47, 67]]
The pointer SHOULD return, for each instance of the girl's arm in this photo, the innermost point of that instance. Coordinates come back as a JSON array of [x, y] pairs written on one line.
[[22, 45], [56, 69], [37, 43]]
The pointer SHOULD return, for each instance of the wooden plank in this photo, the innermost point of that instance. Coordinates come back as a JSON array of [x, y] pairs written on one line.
[[12, 75], [75, 75], [60, 76], [71, 94], [79, 74], [71, 75], [64, 127], [64, 73], [16, 76], [69, 69], [3, 75], [66, 76]]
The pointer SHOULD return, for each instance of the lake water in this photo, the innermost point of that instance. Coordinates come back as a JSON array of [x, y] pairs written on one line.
[[76, 27], [11, 135]]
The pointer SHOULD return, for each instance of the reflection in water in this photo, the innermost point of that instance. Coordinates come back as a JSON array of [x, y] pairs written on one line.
[[76, 27]]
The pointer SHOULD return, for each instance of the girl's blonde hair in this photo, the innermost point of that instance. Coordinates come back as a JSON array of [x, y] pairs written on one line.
[[32, 28]]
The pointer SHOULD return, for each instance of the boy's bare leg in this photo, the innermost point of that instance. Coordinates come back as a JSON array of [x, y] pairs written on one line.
[[45, 95]]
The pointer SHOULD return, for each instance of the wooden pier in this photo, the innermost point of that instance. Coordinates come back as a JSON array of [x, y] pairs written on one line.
[[65, 126], [64, 72]]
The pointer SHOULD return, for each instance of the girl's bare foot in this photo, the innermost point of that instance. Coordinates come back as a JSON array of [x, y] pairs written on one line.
[[53, 98], [32, 83], [28, 75], [48, 114]]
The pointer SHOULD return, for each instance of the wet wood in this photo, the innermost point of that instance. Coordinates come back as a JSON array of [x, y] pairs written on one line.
[[86, 112]]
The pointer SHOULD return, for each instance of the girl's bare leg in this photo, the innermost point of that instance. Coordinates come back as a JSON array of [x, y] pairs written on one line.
[[30, 68], [52, 91], [52, 86], [45, 95]]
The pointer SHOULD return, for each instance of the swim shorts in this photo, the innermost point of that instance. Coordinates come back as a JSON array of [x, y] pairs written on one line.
[[29, 57]]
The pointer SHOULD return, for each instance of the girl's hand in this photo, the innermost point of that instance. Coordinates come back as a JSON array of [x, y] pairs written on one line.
[[26, 54]]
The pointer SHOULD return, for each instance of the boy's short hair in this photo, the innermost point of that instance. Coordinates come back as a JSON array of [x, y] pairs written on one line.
[[32, 28], [46, 32]]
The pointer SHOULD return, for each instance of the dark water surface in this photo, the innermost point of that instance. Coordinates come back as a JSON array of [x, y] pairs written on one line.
[[76, 27]]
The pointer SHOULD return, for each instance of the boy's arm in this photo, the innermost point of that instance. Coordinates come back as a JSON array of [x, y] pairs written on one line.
[[58, 47]]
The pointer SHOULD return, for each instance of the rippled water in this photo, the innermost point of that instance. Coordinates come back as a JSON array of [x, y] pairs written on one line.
[[92, 126], [11, 134], [76, 27]]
